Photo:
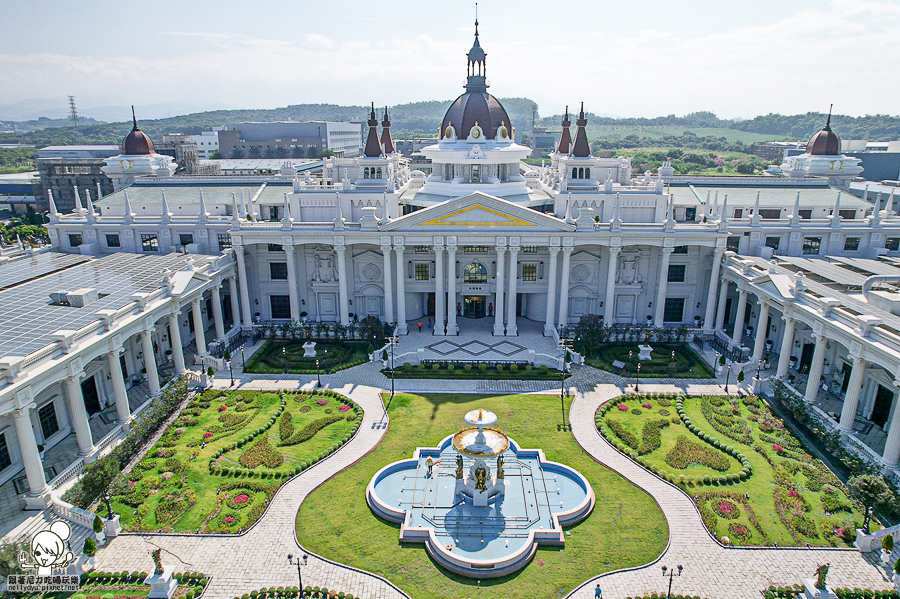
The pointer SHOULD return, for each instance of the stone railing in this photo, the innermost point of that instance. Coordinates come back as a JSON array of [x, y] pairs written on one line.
[[72, 473], [70, 513]]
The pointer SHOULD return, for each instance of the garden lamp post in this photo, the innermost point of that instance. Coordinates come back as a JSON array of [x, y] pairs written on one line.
[[230, 372], [284, 358], [299, 562], [869, 513], [392, 341], [564, 345], [671, 573], [728, 376], [318, 376], [637, 379], [243, 361], [716, 364]]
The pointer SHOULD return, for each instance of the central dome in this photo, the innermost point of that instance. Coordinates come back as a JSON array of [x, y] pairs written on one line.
[[826, 142], [137, 143]]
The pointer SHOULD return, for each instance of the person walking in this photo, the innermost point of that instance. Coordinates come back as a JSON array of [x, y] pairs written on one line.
[[430, 325], [420, 326], [598, 592]]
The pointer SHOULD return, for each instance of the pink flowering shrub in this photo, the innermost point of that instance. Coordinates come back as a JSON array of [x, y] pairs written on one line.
[[222, 408], [344, 408], [793, 493], [778, 448], [726, 507], [322, 402], [647, 405], [229, 519], [240, 499], [622, 407], [207, 435]]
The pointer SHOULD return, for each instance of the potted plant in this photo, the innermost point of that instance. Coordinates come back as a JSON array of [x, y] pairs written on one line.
[[86, 561], [740, 376], [887, 548], [98, 530]]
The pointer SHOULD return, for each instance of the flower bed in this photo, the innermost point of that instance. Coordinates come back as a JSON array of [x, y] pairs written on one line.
[[332, 357], [99, 585], [685, 364], [196, 476]]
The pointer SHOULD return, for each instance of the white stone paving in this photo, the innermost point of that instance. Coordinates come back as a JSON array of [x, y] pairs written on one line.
[[258, 559]]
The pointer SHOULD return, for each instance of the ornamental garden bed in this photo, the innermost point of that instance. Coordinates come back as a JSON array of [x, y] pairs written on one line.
[[332, 355], [482, 370], [626, 528], [751, 479], [294, 593], [797, 590], [113, 585], [685, 365], [218, 465]]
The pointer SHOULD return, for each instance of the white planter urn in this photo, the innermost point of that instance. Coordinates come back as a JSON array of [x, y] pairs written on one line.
[[112, 527], [100, 538], [886, 557], [82, 565], [896, 579]]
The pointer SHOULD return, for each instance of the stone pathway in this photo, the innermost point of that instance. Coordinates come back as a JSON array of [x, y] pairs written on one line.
[[710, 570], [258, 558]]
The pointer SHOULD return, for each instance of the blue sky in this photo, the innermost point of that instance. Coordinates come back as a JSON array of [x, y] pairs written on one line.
[[624, 58]]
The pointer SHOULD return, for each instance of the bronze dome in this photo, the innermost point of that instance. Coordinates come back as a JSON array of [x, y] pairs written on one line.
[[826, 142], [476, 107], [137, 143]]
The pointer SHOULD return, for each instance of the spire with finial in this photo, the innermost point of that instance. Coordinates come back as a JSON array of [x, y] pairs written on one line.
[[373, 147], [204, 214], [54, 213], [581, 148], [387, 142], [129, 213], [235, 211], [476, 64], [89, 206], [565, 140]]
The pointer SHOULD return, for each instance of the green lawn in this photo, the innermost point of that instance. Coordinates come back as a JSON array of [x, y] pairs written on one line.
[[686, 364], [625, 529], [332, 356], [217, 466], [750, 477]]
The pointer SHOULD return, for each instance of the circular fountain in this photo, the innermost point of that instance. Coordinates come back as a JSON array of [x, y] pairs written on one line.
[[479, 440]]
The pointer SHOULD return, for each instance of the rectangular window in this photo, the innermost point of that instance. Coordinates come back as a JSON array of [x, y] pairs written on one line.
[[149, 242], [851, 244], [224, 240], [738, 213], [773, 242], [680, 249], [770, 213], [423, 272], [422, 249], [112, 241], [733, 243], [475, 249], [275, 247], [850, 213], [47, 418], [529, 271], [805, 214], [529, 249], [278, 271], [185, 239], [5, 460], [674, 309], [676, 273], [281, 306], [75, 240], [811, 245], [273, 213], [892, 244]]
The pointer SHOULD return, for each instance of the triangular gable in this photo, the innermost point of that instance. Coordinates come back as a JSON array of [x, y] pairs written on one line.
[[777, 285], [479, 210]]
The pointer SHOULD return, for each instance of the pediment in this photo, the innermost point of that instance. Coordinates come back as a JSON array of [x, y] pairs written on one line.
[[479, 211]]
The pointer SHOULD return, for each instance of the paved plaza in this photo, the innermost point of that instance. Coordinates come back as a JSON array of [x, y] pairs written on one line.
[[258, 558]]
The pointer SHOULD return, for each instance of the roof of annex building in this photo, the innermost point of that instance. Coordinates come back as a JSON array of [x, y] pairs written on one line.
[[177, 196], [30, 316], [776, 197]]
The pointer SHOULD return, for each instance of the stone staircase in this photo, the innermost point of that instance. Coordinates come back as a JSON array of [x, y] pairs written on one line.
[[42, 521]]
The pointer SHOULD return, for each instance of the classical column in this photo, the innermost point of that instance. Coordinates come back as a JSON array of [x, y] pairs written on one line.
[[388, 284], [787, 341], [609, 304], [498, 300], [34, 469], [815, 369], [452, 327], [739, 318], [150, 361], [439, 295], [551, 293], [564, 288], [401, 290], [288, 245], [218, 321], [123, 410], [342, 283], [78, 412], [242, 278], [511, 329], [659, 313], [175, 340], [762, 327], [851, 399], [720, 310], [891, 454], [199, 334], [710, 297], [235, 302]]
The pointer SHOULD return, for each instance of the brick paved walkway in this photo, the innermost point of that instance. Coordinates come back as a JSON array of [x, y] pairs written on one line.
[[259, 558]]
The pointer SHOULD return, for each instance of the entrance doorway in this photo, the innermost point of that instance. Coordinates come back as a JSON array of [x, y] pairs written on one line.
[[429, 304], [806, 357], [474, 306], [884, 397], [91, 397]]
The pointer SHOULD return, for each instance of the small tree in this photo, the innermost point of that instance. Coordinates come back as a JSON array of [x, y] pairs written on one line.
[[90, 547], [722, 360], [887, 543], [740, 376], [98, 524], [873, 492], [210, 371], [227, 356]]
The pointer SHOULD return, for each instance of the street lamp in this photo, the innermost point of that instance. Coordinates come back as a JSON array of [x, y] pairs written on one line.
[[728, 376], [230, 372], [869, 513], [637, 379], [716, 364], [299, 562], [564, 345], [284, 358], [318, 375], [671, 573], [393, 340], [243, 361]]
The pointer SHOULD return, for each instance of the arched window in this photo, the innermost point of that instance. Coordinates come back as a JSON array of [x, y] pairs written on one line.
[[581, 173], [366, 173], [475, 272], [379, 173], [587, 173], [574, 172]]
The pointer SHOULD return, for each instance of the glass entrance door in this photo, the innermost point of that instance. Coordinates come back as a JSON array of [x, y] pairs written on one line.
[[474, 306]]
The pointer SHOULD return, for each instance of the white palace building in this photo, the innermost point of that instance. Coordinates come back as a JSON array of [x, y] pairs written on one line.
[[794, 272]]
